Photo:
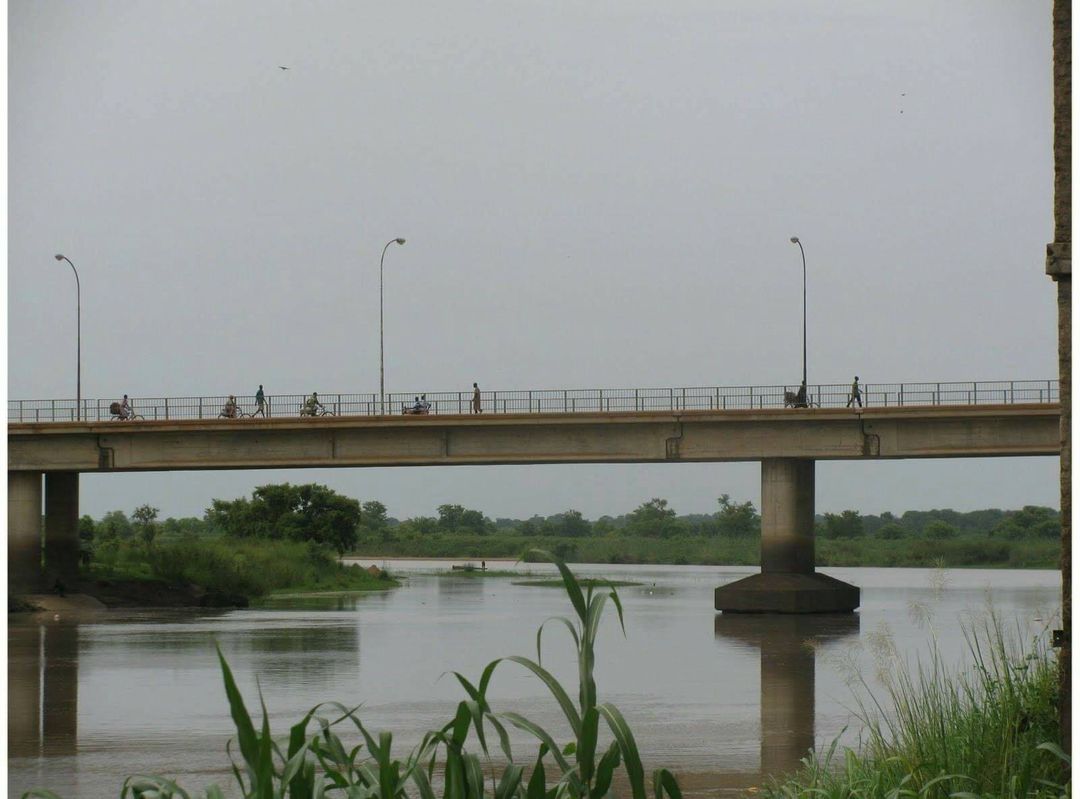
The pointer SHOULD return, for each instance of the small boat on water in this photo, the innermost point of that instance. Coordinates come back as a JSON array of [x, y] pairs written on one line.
[[469, 567]]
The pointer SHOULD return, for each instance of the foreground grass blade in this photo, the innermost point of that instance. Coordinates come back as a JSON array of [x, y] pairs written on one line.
[[245, 730], [627, 746], [567, 705]]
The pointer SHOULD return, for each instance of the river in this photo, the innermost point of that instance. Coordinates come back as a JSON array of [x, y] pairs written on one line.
[[721, 700]]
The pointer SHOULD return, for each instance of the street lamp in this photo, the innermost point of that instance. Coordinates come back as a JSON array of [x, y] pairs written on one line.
[[795, 240], [382, 389], [78, 338]]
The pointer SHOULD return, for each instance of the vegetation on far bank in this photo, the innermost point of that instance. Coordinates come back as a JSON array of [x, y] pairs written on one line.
[[651, 533], [966, 551], [286, 538]]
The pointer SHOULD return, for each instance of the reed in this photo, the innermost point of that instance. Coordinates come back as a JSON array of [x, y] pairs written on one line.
[[989, 731]]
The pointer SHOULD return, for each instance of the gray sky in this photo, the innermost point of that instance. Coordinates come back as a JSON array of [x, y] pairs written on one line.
[[594, 195]]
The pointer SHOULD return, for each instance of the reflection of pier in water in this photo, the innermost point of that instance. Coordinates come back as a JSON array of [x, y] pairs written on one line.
[[787, 645], [43, 689]]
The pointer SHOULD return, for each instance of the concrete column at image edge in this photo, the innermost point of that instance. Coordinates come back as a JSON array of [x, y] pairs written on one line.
[[24, 530], [787, 516], [62, 526]]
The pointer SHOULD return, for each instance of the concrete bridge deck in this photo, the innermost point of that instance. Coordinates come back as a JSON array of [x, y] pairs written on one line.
[[787, 442], [609, 437]]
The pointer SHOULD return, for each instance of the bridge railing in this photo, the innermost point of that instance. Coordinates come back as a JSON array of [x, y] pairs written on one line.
[[544, 401]]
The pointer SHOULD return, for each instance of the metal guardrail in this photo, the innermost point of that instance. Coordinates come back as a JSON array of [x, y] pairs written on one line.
[[1007, 392]]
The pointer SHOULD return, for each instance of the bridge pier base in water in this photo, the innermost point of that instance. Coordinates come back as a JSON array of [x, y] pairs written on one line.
[[787, 582]]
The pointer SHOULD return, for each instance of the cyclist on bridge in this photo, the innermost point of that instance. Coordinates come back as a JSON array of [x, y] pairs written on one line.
[[311, 403]]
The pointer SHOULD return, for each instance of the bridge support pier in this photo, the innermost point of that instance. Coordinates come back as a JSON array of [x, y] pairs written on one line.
[[62, 527], [787, 582], [24, 531]]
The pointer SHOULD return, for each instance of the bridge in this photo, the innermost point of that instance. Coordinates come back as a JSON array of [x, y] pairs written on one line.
[[59, 439]]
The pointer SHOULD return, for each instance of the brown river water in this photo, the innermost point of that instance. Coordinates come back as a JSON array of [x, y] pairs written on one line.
[[721, 700]]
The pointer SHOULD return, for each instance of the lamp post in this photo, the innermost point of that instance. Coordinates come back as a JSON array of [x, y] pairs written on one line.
[[795, 240], [78, 338], [382, 389]]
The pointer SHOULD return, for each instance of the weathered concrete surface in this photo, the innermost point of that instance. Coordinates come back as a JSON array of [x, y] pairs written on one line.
[[817, 434], [24, 531], [62, 527], [787, 515], [777, 592]]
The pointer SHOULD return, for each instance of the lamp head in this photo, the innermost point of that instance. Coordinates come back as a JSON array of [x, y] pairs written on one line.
[[400, 241], [794, 239], [59, 257]]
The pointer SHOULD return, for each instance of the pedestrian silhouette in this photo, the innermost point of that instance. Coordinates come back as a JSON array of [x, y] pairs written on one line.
[[260, 402], [476, 399], [856, 394]]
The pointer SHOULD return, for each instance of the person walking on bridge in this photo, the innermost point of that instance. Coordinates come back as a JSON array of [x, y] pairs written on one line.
[[260, 402], [856, 394], [476, 399]]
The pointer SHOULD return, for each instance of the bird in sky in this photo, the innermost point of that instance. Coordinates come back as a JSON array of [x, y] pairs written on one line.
[[282, 67]]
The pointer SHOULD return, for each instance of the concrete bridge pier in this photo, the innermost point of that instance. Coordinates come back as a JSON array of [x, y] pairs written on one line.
[[24, 531], [62, 527], [787, 582]]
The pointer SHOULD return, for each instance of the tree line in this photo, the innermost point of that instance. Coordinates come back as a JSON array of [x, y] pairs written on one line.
[[318, 514]]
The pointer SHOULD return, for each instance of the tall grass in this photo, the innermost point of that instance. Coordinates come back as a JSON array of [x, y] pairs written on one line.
[[989, 731], [316, 762]]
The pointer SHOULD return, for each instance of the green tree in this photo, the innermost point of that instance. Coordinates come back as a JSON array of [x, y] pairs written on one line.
[[145, 521], [309, 512], [737, 520], [847, 524], [653, 519], [373, 516], [1033, 521], [891, 531], [456, 518], [939, 530], [603, 526], [571, 524], [450, 517], [114, 525], [86, 530]]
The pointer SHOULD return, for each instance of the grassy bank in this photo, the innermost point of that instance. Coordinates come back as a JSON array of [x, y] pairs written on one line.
[[246, 567], [989, 731], [952, 553]]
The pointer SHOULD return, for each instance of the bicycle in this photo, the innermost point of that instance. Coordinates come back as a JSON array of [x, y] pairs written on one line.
[[118, 413], [317, 411]]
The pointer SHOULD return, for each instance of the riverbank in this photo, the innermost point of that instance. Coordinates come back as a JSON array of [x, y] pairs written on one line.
[[959, 552]]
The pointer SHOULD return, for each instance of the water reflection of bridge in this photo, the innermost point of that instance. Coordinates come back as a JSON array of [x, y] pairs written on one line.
[[787, 644], [43, 690], [43, 679]]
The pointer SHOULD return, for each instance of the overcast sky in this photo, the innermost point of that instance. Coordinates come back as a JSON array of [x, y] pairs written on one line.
[[594, 195]]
